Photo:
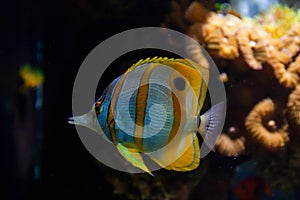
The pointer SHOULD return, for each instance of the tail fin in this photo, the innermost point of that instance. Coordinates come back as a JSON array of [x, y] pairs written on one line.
[[211, 127]]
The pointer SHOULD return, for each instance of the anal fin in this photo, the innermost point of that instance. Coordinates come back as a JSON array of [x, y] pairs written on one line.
[[189, 158], [134, 157]]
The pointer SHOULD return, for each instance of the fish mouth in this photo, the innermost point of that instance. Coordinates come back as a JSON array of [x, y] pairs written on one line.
[[78, 120], [71, 120], [88, 120]]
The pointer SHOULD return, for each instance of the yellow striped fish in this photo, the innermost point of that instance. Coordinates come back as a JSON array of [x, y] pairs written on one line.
[[154, 108]]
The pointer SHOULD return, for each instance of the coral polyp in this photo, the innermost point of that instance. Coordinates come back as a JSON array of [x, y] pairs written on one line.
[[271, 140], [230, 147]]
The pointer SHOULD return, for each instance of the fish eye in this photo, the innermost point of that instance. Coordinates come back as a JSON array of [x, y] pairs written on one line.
[[179, 83], [97, 108]]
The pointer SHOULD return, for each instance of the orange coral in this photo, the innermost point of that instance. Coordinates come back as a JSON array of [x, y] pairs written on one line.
[[197, 13], [226, 34], [294, 67], [293, 107], [229, 147], [212, 37], [285, 77], [281, 52], [249, 40], [254, 123]]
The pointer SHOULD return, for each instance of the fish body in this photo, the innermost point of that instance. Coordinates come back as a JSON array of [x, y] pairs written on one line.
[[154, 108]]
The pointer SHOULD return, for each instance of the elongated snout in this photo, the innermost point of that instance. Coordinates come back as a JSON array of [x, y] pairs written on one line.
[[88, 120]]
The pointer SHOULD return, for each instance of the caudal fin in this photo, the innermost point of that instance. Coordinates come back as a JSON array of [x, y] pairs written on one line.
[[211, 127]]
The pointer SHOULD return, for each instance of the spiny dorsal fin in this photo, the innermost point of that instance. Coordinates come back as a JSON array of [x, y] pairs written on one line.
[[163, 60], [155, 59]]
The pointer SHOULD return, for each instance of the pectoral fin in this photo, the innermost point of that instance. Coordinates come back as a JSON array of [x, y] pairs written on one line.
[[134, 157]]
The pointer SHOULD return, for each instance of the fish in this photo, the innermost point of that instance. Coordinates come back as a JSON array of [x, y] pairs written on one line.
[[154, 109]]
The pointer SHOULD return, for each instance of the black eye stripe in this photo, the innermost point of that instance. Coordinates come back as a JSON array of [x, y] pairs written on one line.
[[97, 108], [179, 83]]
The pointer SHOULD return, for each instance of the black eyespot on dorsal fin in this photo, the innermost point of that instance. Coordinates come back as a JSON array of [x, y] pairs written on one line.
[[179, 83]]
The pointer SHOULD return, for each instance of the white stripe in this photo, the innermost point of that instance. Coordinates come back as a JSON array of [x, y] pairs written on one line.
[[130, 85], [190, 125], [160, 76]]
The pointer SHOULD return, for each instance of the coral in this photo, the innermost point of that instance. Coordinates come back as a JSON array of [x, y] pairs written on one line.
[[249, 40], [259, 42], [196, 12], [226, 35], [293, 107], [283, 57], [218, 34], [279, 20], [285, 77], [229, 147], [259, 60], [254, 123], [223, 77]]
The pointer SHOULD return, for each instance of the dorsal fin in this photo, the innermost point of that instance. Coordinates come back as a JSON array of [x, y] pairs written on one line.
[[155, 59], [164, 60]]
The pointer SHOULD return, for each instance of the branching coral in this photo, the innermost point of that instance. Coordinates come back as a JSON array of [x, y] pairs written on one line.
[[249, 40], [227, 36], [229, 44], [218, 34], [254, 123], [285, 77], [293, 107], [281, 53]]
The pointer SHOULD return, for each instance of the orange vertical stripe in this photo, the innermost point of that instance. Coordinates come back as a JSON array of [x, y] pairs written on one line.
[[141, 104], [177, 117], [111, 109]]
